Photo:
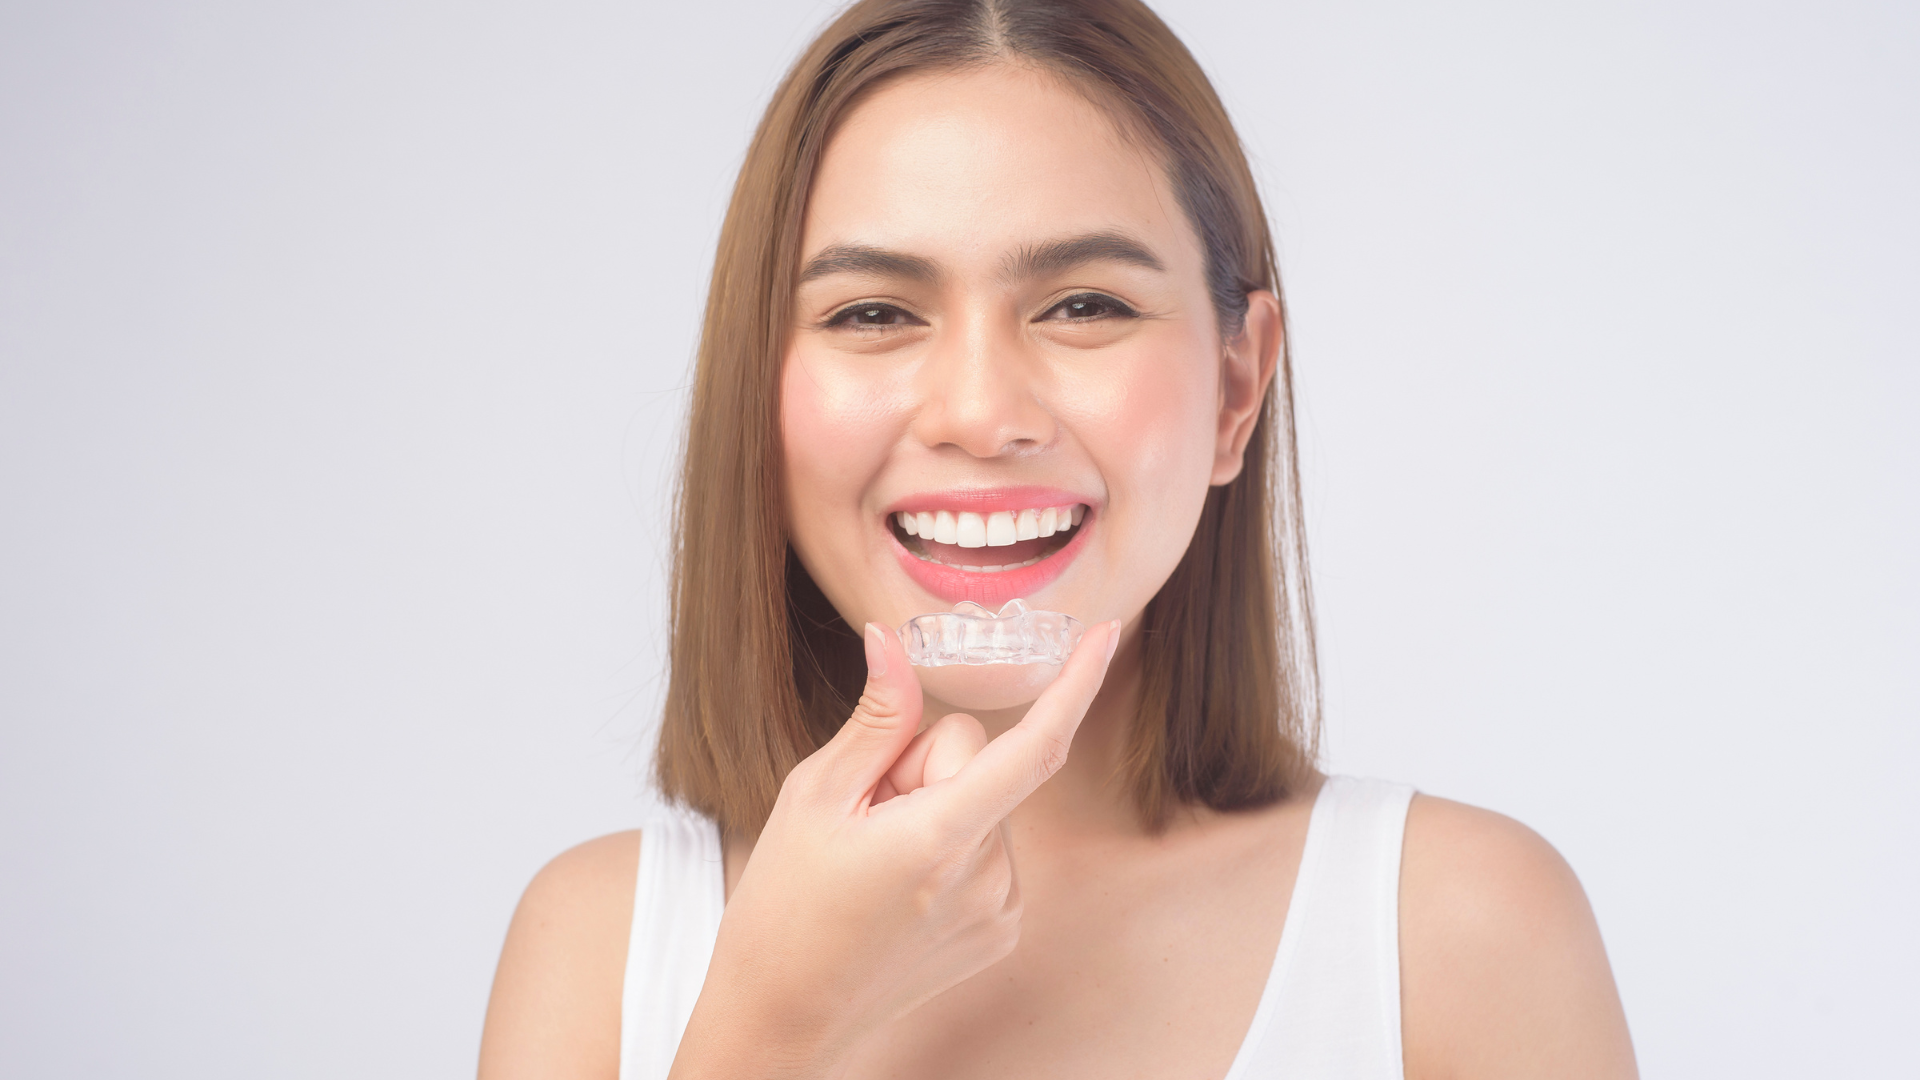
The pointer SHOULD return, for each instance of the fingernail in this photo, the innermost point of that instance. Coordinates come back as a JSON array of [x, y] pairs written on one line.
[[876, 651], [1113, 639]]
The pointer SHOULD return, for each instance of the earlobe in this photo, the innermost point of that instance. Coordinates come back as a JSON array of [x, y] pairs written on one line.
[[1252, 357]]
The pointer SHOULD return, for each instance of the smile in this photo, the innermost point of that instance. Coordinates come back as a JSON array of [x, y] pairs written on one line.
[[946, 538], [988, 547]]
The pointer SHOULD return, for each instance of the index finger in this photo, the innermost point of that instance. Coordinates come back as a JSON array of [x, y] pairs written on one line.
[[1006, 770]]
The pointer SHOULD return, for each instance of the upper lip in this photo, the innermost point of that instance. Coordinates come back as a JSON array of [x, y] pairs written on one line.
[[986, 500]]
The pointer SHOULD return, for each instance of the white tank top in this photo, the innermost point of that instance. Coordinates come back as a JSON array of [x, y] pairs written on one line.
[[1331, 1006]]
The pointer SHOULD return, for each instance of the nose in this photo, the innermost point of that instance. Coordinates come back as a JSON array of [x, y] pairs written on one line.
[[979, 392]]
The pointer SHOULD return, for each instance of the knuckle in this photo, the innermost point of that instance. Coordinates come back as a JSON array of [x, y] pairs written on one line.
[[874, 714], [1052, 752], [922, 845], [803, 785], [1006, 937], [924, 836], [878, 702], [1000, 880], [799, 777], [990, 892], [926, 898]]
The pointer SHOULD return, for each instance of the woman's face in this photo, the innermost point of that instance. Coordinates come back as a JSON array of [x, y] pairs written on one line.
[[1004, 339]]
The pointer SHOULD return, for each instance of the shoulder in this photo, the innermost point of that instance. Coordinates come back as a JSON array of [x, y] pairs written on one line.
[[1473, 868], [1502, 968], [593, 880], [555, 1007]]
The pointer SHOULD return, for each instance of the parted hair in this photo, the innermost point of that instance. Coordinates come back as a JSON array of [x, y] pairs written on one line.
[[763, 669]]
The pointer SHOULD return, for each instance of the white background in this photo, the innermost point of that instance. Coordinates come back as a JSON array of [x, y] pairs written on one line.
[[342, 349]]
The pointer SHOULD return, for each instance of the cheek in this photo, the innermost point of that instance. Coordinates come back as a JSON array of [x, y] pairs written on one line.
[[1149, 424], [836, 429]]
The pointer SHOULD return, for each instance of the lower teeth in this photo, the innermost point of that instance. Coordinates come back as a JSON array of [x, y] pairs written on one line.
[[923, 557]]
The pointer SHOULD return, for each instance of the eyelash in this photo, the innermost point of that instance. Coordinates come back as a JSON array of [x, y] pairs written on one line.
[[846, 315], [1119, 310]]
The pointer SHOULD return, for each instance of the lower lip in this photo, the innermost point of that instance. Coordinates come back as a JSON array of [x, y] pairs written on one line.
[[952, 584]]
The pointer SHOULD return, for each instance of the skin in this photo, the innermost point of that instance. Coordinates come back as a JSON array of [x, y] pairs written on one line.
[[942, 894]]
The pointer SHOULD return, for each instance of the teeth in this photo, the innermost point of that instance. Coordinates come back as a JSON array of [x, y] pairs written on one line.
[[923, 557], [971, 531], [1000, 532], [998, 528]]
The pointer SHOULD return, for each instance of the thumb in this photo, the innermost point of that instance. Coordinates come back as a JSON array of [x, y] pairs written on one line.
[[882, 724]]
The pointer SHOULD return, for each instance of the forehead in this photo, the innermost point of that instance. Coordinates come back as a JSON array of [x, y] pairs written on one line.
[[965, 167]]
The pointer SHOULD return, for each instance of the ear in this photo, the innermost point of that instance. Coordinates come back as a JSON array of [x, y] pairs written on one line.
[[1252, 357]]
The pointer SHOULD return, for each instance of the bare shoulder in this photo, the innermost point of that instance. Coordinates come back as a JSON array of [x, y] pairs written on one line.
[[555, 1009], [1502, 968]]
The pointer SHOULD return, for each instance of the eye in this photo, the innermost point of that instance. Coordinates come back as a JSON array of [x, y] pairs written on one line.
[[1087, 307], [872, 313]]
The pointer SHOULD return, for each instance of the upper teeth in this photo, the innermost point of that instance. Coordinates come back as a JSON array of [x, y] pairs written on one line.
[[997, 529]]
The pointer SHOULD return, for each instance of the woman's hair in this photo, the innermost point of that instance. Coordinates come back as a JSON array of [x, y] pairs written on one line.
[[764, 671]]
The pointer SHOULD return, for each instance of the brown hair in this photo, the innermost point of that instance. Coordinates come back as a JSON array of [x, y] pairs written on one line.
[[764, 671]]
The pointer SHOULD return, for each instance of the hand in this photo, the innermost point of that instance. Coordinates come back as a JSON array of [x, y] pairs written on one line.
[[883, 876]]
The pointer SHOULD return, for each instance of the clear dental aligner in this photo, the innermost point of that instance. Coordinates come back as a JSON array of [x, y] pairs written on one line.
[[971, 634]]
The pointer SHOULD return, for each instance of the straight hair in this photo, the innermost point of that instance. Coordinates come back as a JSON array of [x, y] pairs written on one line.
[[763, 669]]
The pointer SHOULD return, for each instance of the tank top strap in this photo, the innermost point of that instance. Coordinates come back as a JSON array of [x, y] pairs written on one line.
[[1332, 1002], [678, 897]]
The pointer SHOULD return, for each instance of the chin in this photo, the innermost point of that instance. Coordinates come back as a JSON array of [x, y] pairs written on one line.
[[987, 687]]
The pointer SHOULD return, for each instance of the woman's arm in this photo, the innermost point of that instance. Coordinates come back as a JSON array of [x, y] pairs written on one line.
[[1502, 969], [555, 1010], [882, 878]]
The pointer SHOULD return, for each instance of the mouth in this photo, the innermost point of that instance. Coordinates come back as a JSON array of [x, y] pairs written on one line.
[[993, 542], [989, 547]]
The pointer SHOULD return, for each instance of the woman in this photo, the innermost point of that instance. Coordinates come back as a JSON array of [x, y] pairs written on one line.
[[988, 264]]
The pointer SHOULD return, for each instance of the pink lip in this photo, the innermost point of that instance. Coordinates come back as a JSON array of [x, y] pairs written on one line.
[[952, 584]]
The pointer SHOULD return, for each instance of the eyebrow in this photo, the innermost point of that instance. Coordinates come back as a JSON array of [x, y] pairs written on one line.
[[1054, 256], [870, 262], [1035, 260]]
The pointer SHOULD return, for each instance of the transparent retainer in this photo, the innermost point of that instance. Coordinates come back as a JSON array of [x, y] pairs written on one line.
[[972, 635]]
